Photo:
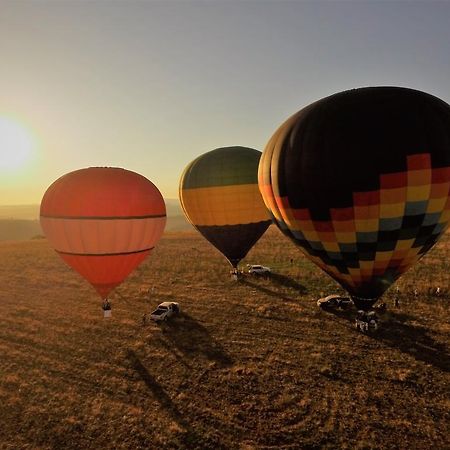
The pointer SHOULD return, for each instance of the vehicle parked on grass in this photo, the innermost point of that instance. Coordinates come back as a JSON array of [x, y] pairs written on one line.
[[334, 301], [164, 311], [257, 269]]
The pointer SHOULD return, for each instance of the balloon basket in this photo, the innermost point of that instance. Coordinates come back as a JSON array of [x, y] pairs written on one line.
[[106, 308], [367, 322], [234, 274]]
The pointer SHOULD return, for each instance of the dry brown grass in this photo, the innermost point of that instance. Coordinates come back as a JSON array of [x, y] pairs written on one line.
[[249, 365]]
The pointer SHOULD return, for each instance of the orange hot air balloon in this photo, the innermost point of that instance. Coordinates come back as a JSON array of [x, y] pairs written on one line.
[[103, 222]]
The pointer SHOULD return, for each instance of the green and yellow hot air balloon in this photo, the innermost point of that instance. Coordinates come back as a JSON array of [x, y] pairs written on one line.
[[220, 197]]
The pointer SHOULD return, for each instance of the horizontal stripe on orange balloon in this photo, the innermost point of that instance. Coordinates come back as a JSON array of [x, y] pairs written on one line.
[[224, 205], [105, 254], [149, 216], [103, 236]]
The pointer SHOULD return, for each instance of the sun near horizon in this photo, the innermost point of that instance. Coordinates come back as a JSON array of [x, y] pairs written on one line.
[[17, 146], [19, 161]]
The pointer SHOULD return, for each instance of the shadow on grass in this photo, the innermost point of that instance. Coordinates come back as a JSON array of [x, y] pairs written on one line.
[[190, 436], [285, 281], [189, 337], [175, 352], [268, 291], [347, 314], [396, 332], [413, 340]]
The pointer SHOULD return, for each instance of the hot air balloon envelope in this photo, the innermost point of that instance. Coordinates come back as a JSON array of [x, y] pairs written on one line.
[[220, 197], [103, 222], [360, 181]]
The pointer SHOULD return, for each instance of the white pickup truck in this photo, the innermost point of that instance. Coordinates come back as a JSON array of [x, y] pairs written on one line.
[[334, 301], [256, 269], [164, 311]]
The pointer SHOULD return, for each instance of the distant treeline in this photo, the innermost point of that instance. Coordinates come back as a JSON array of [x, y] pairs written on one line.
[[15, 230]]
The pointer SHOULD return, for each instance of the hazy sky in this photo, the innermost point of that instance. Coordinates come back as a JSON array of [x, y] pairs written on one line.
[[150, 85]]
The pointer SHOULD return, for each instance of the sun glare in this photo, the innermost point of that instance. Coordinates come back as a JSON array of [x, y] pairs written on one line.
[[16, 145]]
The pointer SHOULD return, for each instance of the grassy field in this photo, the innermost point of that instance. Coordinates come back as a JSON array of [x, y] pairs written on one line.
[[248, 365]]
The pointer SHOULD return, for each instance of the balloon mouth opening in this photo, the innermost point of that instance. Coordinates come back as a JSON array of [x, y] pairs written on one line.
[[364, 303], [104, 289]]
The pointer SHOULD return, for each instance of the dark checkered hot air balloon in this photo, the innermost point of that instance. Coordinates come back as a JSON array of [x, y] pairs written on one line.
[[360, 181], [220, 197], [103, 222]]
